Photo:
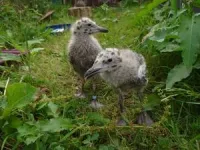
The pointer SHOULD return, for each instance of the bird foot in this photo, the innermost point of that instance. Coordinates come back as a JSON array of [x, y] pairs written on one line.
[[80, 95], [144, 119], [96, 105], [121, 122]]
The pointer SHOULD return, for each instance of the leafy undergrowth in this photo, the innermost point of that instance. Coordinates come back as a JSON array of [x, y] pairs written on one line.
[[39, 111]]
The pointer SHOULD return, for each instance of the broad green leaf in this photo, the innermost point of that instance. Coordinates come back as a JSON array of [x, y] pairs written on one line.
[[189, 34], [9, 33], [159, 35], [14, 122], [176, 74], [3, 102], [35, 50], [54, 125], [34, 41], [172, 34], [53, 109], [28, 133], [3, 83], [32, 138], [10, 57], [88, 140], [27, 129], [95, 137], [18, 96], [171, 48], [197, 64], [91, 138], [158, 14]]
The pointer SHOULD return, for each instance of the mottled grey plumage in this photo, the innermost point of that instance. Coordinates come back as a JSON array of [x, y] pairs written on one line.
[[83, 47], [123, 69], [82, 53], [128, 71]]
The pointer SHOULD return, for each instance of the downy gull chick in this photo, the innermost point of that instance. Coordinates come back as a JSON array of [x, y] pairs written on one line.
[[83, 48], [123, 69]]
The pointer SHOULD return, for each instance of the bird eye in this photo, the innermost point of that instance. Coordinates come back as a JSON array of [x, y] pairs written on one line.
[[89, 24], [109, 60]]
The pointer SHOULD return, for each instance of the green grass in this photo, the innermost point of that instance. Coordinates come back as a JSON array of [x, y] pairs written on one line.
[[96, 129]]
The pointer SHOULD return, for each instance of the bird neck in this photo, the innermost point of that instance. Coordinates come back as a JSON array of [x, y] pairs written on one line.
[[82, 36], [86, 40]]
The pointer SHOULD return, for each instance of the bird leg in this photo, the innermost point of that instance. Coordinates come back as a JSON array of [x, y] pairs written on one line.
[[140, 94], [80, 90], [94, 87], [121, 121], [121, 101], [143, 117], [95, 104]]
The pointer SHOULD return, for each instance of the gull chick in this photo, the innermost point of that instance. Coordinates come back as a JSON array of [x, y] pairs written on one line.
[[83, 48], [123, 69]]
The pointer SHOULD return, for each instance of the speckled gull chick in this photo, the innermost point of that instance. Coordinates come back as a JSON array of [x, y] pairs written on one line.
[[83, 48], [123, 69]]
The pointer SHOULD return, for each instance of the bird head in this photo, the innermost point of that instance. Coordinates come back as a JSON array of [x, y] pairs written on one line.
[[86, 26], [106, 61]]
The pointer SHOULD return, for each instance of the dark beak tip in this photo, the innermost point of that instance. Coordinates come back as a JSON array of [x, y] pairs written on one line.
[[105, 31], [85, 77]]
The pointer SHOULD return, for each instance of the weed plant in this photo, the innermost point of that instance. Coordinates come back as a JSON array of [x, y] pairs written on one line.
[[39, 111]]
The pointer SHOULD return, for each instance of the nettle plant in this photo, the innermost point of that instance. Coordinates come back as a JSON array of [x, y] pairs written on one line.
[[177, 32]]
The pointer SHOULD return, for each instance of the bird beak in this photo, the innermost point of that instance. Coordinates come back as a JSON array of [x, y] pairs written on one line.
[[91, 72], [101, 29]]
